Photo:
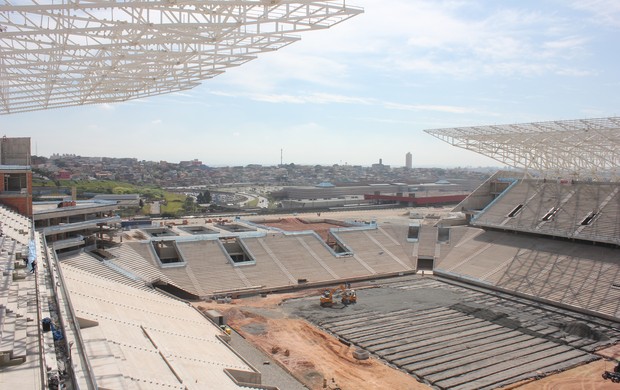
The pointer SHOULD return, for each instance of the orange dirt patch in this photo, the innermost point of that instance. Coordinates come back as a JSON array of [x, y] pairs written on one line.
[[296, 225], [612, 352], [586, 377], [308, 353], [313, 356]]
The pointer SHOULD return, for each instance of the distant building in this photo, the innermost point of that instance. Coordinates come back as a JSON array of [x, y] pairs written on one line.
[[408, 160], [380, 166], [192, 163], [16, 175]]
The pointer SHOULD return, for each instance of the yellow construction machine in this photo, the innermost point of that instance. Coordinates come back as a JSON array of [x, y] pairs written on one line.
[[347, 295]]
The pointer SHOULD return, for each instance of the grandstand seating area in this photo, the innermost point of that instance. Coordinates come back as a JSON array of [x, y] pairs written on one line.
[[581, 210], [570, 273], [281, 260], [207, 261], [22, 350], [139, 338], [343, 266], [374, 249], [427, 242]]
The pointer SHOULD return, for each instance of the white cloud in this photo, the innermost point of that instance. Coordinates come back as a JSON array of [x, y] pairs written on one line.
[[428, 107], [324, 98], [603, 11], [444, 38]]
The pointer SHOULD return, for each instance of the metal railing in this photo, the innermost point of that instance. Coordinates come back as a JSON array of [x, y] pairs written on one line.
[[59, 287]]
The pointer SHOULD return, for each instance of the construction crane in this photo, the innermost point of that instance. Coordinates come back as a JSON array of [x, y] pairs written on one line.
[[347, 295]]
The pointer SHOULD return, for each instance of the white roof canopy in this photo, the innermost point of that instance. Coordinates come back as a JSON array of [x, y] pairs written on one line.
[[579, 148], [56, 53]]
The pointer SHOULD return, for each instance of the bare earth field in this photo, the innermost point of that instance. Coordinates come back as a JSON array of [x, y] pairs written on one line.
[[586, 377], [297, 225], [313, 356]]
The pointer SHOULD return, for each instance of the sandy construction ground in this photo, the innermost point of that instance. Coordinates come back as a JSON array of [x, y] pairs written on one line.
[[586, 377], [311, 355], [315, 357], [298, 225]]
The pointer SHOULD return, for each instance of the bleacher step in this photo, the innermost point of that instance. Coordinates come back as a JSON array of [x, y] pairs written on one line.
[[21, 338], [8, 333]]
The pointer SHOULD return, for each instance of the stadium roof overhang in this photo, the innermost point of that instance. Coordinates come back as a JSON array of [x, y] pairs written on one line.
[[57, 53], [584, 148]]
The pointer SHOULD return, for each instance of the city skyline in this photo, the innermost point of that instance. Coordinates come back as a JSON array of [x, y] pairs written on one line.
[[366, 89]]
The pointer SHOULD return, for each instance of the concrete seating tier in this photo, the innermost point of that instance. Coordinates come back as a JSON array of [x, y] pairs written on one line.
[[269, 269], [575, 274], [427, 241], [210, 265], [87, 263], [20, 346], [14, 315], [179, 275], [397, 246], [127, 258], [457, 234], [14, 225], [298, 260], [366, 247], [147, 339], [341, 266], [607, 222], [398, 233], [570, 204]]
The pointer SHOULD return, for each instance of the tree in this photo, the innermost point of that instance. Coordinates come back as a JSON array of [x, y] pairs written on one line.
[[204, 197], [189, 205]]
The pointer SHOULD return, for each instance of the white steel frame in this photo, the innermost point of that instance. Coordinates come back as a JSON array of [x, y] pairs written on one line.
[[586, 148], [56, 53]]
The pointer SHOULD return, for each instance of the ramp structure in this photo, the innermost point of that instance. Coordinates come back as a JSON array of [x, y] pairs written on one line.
[[57, 53]]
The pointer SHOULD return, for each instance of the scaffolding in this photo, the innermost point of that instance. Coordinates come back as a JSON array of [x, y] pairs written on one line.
[[578, 149], [57, 53]]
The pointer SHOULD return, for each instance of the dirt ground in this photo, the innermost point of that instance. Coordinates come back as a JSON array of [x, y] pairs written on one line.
[[297, 224], [308, 353], [586, 377], [313, 356]]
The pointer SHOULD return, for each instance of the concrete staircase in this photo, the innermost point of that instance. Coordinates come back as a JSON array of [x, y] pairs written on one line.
[[17, 305]]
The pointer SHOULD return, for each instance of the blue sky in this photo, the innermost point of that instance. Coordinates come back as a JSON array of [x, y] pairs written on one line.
[[365, 89]]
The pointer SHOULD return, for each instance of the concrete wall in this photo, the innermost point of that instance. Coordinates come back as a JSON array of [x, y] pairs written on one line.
[[15, 151], [19, 201]]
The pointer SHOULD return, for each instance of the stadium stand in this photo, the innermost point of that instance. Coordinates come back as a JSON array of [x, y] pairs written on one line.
[[24, 350], [300, 262], [137, 337], [562, 208], [210, 264], [368, 249], [570, 273]]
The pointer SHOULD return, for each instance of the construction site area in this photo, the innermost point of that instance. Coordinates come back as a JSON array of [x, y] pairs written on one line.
[[515, 287], [423, 332], [514, 284]]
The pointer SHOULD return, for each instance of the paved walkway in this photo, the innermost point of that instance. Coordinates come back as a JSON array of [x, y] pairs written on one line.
[[272, 373]]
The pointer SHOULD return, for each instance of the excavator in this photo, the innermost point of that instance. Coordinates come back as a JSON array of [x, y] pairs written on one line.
[[347, 295]]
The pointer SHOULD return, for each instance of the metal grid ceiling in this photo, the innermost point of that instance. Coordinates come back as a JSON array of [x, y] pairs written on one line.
[[56, 53], [579, 148]]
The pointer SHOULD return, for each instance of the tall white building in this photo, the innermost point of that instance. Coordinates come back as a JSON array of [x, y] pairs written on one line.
[[408, 160]]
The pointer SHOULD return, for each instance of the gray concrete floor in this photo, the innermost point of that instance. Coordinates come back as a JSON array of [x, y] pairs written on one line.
[[452, 336]]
